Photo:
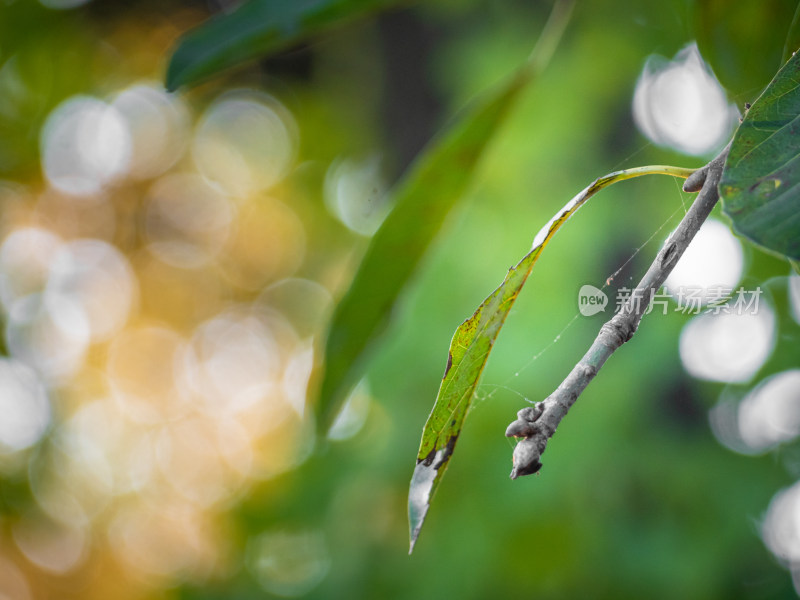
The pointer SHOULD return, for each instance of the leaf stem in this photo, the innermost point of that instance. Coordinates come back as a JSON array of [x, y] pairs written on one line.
[[547, 232], [681, 172]]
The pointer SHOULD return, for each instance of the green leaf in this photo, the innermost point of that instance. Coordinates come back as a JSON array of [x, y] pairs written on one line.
[[743, 41], [760, 185], [469, 351], [255, 29], [423, 198]]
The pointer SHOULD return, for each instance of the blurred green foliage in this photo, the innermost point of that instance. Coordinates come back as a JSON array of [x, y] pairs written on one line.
[[255, 29], [421, 202], [729, 33], [637, 498]]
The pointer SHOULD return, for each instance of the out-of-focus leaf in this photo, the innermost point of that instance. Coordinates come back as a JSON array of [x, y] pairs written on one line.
[[422, 200], [469, 351], [256, 28], [728, 34], [792, 43], [760, 185]]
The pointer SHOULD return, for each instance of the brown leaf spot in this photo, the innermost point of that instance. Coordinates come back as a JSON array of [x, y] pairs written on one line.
[[449, 364]]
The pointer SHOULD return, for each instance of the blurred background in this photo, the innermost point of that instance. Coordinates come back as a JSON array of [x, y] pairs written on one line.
[[169, 261]]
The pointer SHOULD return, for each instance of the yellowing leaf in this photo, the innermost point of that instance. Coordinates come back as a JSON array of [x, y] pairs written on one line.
[[469, 351]]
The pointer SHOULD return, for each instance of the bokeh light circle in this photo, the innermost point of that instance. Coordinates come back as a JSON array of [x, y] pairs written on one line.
[[235, 360], [25, 258], [306, 304], [53, 547], [96, 279], [794, 295], [50, 336], [681, 105], [770, 414], [24, 406], [710, 268], [85, 145], [159, 127], [289, 563], [187, 220], [728, 347], [780, 529], [355, 193], [245, 142]]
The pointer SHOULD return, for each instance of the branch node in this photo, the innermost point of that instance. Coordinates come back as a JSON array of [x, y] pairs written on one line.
[[695, 181], [525, 425], [668, 255], [531, 413], [618, 332]]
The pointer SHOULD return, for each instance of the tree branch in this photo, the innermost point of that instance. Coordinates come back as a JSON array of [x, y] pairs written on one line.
[[536, 424]]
